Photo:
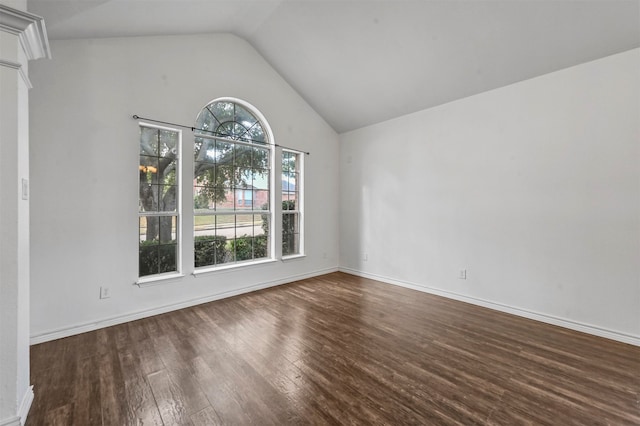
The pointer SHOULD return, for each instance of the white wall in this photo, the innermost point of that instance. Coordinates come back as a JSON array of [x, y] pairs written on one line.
[[84, 162], [534, 188]]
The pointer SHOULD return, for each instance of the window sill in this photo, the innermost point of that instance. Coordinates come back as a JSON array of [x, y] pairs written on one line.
[[158, 279], [231, 266], [293, 256]]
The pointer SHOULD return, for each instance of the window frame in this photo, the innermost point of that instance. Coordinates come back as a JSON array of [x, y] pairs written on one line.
[[300, 198], [268, 145], [177, 214]]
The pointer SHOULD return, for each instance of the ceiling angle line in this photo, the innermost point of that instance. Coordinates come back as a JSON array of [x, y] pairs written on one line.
[[193, 129]]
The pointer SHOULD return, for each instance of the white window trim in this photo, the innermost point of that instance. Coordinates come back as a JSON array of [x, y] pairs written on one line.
[[300, 211], [231, 266], [293, 257], [270, 145], [147, 279]]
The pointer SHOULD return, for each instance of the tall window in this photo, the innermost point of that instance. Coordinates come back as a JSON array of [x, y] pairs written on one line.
[[231, 185], [292, 241], [159, 200]]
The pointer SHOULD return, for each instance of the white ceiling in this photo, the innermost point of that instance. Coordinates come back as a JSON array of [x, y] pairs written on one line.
[[359, 62]]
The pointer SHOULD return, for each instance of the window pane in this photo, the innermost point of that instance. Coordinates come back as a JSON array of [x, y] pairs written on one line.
[[149, 164], [202, 199], [158, 228], [225, 229], [168, 229], [260, 158], [260, 200], [209, 190], [204, 226], [158, 198], [244, 225], [224, 152], [167, 171], [146, 197], [210, 242], [244, 117], [222, 111], [225, 225], [289, 184], [289, 201], [206, 123], [243, 177], [244, 199], [243, 248], [167, 256], [243, 156], [204, 150], [289, 180], [158, 246], [256, 134], [204, 173], [260, 179], [224, 129], [168, 146], [288, 162], [261, 236], [158, 174], [224, 174], [204, 182], [167, 198], [148, 259], [261, 224], [148, 141], [290, 234], [209, 250], [261, 246], [249, 248]]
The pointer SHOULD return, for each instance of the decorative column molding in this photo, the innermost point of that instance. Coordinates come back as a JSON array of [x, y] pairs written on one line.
[[29, 28], [17, 66], [23, 37]]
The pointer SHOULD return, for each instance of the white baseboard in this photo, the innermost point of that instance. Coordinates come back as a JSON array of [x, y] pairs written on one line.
[[25, 405], [120, 319], [549, 319], [11, 421], [23, 410]]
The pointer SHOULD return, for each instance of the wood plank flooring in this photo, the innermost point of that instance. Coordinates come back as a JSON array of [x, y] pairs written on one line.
[[336, 349]]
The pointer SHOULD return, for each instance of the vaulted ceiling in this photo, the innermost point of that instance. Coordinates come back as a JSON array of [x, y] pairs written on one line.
[[359, 62]]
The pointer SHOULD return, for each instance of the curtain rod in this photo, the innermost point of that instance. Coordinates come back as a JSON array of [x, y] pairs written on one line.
[[137, 117]]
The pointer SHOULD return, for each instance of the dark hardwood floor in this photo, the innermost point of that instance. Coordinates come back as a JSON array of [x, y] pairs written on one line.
[[336, 349]]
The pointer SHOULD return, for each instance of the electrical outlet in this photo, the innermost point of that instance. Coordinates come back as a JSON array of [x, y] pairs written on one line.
[[463, 274], [105, 293]]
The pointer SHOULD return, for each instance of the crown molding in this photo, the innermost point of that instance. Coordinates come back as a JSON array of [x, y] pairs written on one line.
[[29, 28]]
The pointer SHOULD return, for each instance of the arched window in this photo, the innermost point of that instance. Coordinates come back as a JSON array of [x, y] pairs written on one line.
[[232, 185]]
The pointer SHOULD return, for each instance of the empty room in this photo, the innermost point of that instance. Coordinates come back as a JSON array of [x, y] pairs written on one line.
[[279, 212]]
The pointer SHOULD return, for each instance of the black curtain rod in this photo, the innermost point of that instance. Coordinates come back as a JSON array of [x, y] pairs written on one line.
[[137, 117]]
